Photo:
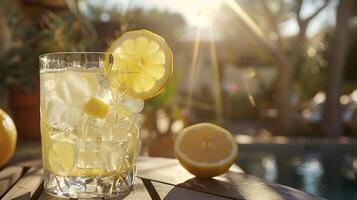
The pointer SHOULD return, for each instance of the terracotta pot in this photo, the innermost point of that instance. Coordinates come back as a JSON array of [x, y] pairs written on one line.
[[162, 146], [25, 107], [52, 4]]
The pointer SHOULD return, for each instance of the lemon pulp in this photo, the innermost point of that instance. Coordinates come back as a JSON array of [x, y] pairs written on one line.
[[142, 63], [205, 150]]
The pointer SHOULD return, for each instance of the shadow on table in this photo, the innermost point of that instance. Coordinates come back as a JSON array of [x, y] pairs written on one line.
[[234, 186], [8, 177], [182, 193]]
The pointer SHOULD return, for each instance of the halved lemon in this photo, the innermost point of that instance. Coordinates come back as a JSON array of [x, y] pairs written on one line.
[[8, 136], [61, 158], [142, 63], [205, 150]]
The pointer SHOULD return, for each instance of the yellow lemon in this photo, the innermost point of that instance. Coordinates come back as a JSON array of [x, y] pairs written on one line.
[[142, 63], [8, 137], [61, 158], [96, 108], [205, 150]]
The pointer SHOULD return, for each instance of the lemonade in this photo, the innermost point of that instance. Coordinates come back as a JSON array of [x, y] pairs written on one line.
[[90, 113], [88, 130]]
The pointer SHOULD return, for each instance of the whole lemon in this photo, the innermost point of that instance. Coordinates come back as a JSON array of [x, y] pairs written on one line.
[[8, 137]]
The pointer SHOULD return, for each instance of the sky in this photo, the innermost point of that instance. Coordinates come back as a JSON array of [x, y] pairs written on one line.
[[322, 20], [189, 9], [200, 11]]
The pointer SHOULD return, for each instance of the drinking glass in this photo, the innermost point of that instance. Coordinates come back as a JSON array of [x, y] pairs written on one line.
[[89, 128]]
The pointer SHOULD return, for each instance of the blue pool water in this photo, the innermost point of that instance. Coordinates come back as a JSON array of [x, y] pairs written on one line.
[[308, 173]]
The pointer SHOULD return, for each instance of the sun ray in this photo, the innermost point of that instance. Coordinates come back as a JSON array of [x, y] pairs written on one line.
[[216, 78], [193, 70], [247, 88], [245, 18]]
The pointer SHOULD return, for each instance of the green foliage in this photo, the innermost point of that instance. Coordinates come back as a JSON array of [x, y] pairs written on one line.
[[310, 76], [165, 98], [62, 33], [19, 61], [27, 39]]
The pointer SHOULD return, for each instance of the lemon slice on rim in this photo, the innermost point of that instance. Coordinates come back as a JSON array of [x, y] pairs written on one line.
[[205, 150], [142, 63]]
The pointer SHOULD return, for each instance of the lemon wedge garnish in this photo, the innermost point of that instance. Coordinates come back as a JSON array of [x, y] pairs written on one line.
[[142, 63], [96, 108]]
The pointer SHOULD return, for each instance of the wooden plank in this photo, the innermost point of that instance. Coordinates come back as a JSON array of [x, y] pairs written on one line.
[[30, 163], [167, 170], [8, 178], [169, 192], [173, 172], [45, 196], [26, 196], [151, 189], [229, 185], [28, 183], [139, 192]]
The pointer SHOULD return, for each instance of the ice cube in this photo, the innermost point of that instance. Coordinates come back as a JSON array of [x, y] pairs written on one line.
[[113, 155], [104, 92], [120, 136], [89, 152], [48, 92], [134, 105], [62, 116], [117, 127], [90, 126], [75, 87], [89, 142]]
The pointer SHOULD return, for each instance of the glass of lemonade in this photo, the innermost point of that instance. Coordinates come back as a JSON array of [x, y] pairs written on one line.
[[89, 129], [90, 113]]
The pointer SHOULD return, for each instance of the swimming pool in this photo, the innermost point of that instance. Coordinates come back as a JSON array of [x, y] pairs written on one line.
[[309, 172]]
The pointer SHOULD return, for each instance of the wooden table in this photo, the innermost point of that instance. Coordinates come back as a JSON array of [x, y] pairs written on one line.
[[158, 178]]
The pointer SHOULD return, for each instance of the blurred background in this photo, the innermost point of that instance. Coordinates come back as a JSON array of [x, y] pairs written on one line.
[[281, 75]]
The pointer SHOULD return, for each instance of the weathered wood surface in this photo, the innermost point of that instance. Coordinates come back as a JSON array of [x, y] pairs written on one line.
[[8, 177], [158, 178], [232, 185], [27, 185]]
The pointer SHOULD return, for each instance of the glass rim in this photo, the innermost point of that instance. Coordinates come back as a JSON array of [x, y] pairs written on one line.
[[73, 52]]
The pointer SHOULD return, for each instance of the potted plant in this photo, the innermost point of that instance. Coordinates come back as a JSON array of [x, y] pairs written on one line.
[[18, 69], [23, 41]]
